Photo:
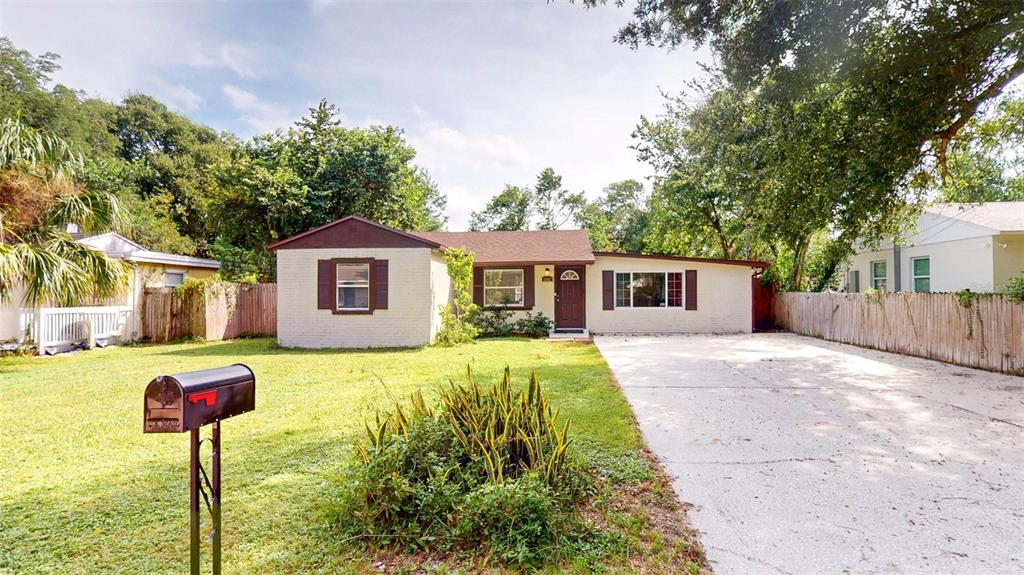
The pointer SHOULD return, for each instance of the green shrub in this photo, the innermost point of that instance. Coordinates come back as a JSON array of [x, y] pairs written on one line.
[[455, 329], [534, 325], [516, 520], [494, 322], [1015, 289], [486, 467], [514, 432], [457, 317]]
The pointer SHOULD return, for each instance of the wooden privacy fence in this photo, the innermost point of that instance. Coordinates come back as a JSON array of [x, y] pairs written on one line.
[[169, 314], [987, 333]]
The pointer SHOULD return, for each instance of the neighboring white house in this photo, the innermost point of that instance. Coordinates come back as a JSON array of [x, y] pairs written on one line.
[[119, 317], [357, 283], [953, 247]]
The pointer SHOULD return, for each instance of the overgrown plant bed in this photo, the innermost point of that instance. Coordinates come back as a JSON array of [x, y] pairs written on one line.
[[489, 480]]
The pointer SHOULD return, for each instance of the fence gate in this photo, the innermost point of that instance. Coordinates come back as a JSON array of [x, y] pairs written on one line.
[[763, 295]]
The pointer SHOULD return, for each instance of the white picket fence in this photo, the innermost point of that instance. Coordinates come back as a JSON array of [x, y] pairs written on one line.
[[51, 327]]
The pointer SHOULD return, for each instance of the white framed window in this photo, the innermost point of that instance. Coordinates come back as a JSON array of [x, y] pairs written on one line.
[[174, 278], [921, 274], [878, 275], [648, 289], [504, 287], [353, 286]]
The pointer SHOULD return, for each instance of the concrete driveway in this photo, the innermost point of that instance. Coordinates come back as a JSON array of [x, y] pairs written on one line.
[[804, 456]]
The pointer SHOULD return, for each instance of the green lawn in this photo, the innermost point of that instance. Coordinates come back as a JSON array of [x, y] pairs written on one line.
[[84, 491]]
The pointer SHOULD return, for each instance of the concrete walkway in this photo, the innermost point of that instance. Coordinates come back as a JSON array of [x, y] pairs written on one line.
[[807, 457]]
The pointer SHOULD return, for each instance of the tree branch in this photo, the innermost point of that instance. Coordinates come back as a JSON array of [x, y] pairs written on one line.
[[970, 108]]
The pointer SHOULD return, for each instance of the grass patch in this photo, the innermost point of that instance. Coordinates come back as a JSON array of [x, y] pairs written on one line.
[[85, 491]]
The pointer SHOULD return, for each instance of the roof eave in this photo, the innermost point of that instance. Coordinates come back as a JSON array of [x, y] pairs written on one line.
[[277, 245], [172, 259], [745, 263], [534, 262]]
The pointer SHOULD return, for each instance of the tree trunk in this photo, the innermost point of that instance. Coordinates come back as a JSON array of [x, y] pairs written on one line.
[[796, 277]]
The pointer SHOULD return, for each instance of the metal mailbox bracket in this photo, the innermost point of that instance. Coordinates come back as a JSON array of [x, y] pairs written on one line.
[[210, 495]]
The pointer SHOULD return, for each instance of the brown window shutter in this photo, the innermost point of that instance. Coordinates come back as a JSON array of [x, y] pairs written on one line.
[[691, 289], [478, 286], [608, 289], [380, 287], [528, 286], [324, 284]]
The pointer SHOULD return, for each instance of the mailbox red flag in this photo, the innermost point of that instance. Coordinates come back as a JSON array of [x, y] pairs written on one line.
[[209, 397]]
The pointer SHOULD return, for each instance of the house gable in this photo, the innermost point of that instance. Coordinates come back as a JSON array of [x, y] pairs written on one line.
[[353, 232]]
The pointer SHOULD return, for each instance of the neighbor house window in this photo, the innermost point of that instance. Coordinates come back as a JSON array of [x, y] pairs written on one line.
[[878, 275], [353, 286], [648, 289], [922, 270], [504, 287], [174, 278]]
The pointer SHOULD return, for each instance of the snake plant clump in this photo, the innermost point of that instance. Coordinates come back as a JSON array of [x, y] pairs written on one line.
[[491, 467]]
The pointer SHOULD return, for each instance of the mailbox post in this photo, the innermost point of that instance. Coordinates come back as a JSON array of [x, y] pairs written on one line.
[[186, 402]]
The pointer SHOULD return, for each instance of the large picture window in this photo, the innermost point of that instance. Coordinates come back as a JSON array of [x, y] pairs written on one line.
[[353, 286], [648, 289], [504, 287]]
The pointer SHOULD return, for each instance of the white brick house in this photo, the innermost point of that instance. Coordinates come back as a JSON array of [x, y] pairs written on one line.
[[357, 283]]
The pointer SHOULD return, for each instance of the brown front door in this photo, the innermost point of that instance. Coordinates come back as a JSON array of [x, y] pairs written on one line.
[[570, 296]]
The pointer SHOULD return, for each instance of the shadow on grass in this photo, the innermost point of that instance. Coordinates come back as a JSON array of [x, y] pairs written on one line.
[[267, 347], [136, 520]]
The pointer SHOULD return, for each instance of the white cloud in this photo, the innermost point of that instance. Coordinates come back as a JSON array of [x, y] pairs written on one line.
[[469, 168], [177, 96], [437, 142], [318, 6], [244, 60], [259, 115]]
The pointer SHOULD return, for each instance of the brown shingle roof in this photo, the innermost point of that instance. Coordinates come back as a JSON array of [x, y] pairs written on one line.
[[542, 246]]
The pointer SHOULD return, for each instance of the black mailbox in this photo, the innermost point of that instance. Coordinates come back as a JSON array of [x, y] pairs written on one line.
[[187, 401]]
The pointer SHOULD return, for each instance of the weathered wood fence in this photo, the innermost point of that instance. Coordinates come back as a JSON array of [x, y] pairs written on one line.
[[169, 314], [988, 333]]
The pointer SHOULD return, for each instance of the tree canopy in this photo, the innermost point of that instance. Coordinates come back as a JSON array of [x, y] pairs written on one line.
[[185, 188], [545, 206], [836, 112], [39, 197]]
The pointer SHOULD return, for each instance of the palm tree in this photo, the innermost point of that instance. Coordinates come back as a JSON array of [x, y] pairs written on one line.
[[39, 198]]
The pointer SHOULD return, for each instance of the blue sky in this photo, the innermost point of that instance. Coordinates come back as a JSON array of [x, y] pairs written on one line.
[[487, 93]]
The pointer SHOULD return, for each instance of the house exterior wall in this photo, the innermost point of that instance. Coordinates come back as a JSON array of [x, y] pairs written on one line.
[[862, 264], [10, 315], [407, 322], [724, 303], [1008, 262], [544, 292], [440, 290], [955, 265]]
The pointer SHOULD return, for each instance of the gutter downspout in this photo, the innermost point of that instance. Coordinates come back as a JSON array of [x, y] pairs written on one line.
[[897, 283]]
